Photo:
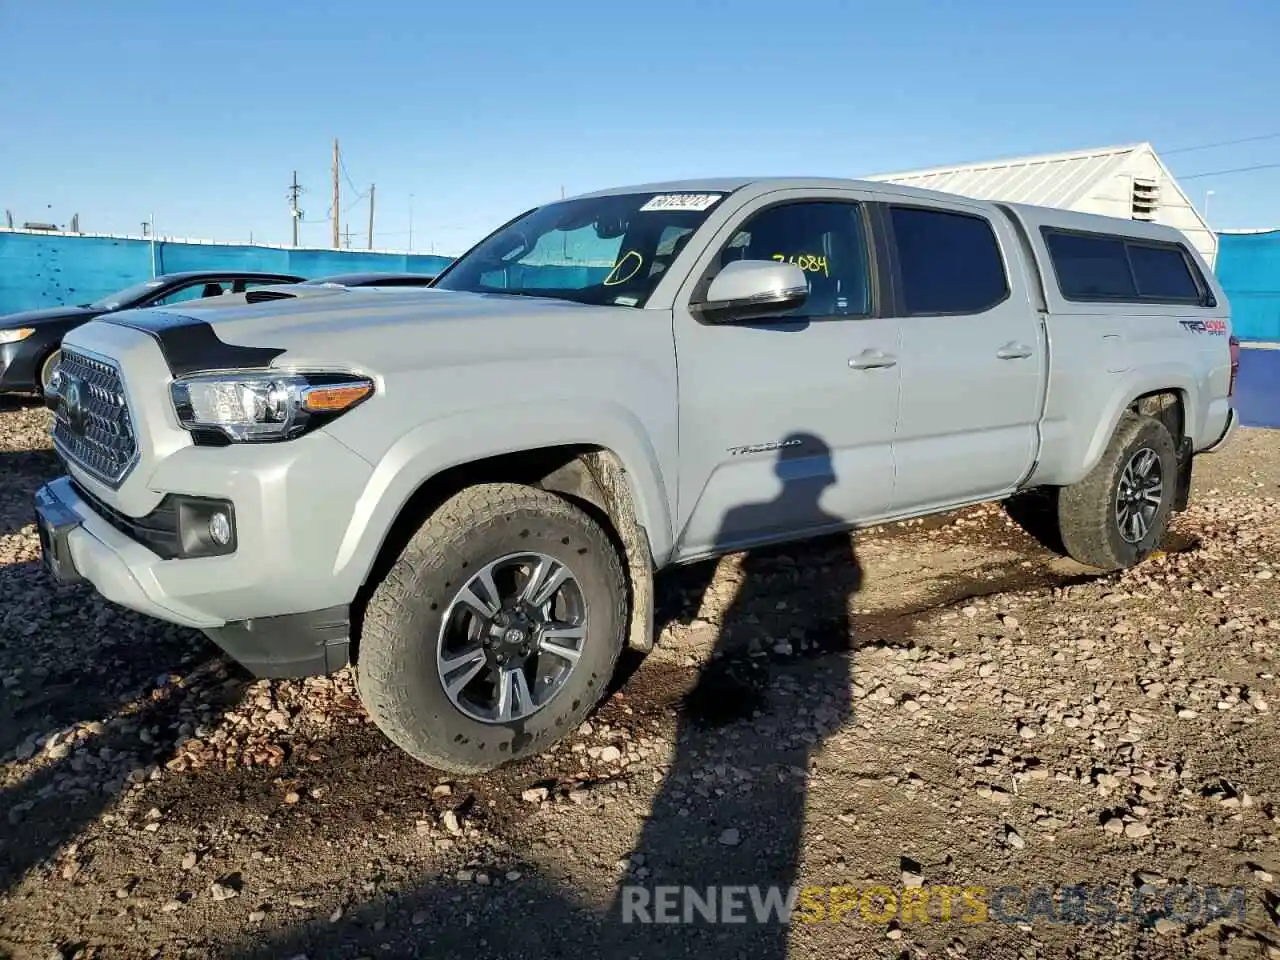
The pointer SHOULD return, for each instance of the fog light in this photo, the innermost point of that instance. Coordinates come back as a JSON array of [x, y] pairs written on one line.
[[220, 529]]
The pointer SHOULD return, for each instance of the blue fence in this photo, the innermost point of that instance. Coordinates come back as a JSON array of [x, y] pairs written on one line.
[[49, 270], [1249, 269]]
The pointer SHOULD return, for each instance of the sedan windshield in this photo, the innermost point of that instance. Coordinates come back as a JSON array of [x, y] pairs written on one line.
[[127, 297], [608, 250]]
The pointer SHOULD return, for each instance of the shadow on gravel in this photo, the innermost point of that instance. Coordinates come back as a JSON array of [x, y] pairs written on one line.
[[1036, 512], [21, 472], [731, 809], [88, 771], [89, 677]]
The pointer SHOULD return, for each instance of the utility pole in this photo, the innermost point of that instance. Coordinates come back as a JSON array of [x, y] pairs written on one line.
[[371, 188], [410, 223], [337, 196], [295, 191]]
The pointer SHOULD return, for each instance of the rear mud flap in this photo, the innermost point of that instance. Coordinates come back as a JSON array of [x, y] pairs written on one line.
[[1182, 494]]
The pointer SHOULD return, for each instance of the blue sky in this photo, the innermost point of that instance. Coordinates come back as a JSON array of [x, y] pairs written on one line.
[[199, 113]]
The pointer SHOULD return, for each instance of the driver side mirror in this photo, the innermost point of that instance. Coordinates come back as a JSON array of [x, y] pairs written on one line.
[[751, 289]]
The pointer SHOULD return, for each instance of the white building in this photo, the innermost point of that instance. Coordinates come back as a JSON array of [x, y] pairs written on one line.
[[1130, 182]]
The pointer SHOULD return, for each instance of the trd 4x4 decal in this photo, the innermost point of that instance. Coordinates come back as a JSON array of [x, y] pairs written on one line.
[[1216, 327]]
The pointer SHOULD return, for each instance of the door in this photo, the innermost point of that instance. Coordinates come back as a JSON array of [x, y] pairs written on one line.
[[787, 423], [973, 356]]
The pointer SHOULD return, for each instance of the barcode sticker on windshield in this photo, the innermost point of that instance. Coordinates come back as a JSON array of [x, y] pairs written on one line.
[[683, 201]]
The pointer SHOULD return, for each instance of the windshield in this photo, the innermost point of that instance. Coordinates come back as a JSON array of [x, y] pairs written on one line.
[[128, 296], [598, 250]]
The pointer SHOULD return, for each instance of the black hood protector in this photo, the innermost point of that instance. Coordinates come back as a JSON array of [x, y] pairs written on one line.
[[191, 346]]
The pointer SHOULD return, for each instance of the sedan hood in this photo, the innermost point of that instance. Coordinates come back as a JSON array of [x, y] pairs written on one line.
[[33, 318]]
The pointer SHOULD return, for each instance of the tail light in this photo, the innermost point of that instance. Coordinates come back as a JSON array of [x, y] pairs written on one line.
[[1234, 342]]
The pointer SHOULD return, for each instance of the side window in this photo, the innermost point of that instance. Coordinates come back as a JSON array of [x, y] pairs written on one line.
[[949, 262], [1161, 273], [826, 240], [1096, 266], [1091, 268], [240, 286], [192, 291]]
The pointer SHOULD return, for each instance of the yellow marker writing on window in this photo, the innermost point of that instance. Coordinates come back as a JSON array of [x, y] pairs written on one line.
[[808, 262], [626, 268]]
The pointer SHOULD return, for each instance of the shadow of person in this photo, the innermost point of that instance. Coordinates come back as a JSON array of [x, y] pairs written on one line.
[[730, 812]]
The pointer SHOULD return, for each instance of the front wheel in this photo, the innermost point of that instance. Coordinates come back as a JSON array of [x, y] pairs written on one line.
[[1119, 513], [496, 631]]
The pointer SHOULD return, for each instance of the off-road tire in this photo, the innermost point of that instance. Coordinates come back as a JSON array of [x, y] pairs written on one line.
[[396, 668], [1087, 517]]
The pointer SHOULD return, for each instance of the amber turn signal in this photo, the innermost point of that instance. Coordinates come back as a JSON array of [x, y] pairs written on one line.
[[336, 397]]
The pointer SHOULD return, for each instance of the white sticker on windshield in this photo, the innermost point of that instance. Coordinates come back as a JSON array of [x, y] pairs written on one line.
[[683, 201]]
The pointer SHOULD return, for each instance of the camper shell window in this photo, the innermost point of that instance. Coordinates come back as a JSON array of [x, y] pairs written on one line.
[[1108, 267]]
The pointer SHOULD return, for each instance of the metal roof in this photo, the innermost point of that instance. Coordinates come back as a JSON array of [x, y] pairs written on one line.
[[1047, 180]]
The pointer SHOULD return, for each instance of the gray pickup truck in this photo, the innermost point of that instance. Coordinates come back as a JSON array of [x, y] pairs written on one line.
[[466, 490]]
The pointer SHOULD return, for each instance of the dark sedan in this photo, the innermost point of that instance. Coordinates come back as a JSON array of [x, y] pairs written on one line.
[[29, 341], [375, 280]]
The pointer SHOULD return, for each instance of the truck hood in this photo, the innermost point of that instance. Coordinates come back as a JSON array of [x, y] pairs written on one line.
[[375, 329]]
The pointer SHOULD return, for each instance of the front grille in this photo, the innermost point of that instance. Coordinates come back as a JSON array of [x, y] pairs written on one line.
[[92, 426]]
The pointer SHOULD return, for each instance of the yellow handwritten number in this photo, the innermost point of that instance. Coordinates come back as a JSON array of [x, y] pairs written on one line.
[[808, 262]]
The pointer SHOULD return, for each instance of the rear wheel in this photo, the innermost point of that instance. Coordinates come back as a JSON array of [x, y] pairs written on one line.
[[496, 631], [1119, 513], [47, 368]]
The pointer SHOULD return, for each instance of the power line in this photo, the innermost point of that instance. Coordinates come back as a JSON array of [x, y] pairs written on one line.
[[347, 208], [1221, 173], [1220, 143], [342, 163]]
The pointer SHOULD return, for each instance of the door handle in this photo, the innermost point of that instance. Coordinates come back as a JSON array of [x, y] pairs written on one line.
[[1014, 351], [872, 359]]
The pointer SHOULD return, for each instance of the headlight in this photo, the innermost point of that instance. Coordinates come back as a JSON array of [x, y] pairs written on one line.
[[14, 336], [262, 406]]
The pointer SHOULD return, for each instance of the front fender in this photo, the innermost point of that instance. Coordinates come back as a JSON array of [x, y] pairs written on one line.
[[436, 446]]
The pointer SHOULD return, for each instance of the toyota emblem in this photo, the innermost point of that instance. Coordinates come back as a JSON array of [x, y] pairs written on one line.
[[73, 404]]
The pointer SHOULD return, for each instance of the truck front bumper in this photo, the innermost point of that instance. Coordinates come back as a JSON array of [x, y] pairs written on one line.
[[79, 545]]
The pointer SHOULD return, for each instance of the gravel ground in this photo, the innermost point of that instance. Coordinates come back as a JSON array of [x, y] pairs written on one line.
[[933, 704]]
